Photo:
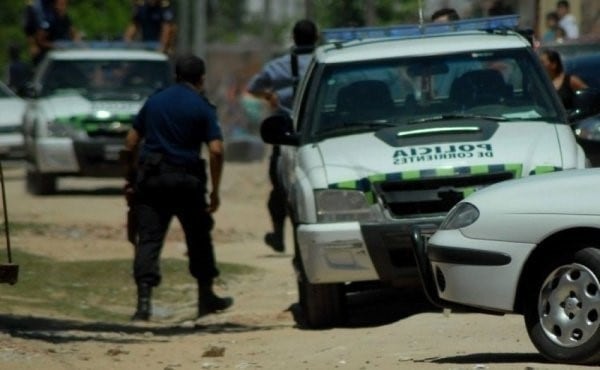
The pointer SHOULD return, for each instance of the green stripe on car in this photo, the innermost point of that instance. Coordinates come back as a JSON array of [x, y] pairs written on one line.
[[366, 184]]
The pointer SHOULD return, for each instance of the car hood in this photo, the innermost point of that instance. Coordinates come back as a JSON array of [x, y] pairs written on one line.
[[573, 192], [69, 106], [12, 111], [521, 147]]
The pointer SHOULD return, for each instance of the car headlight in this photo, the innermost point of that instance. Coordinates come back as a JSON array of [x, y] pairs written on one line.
[[336, 205], [588, 129], [462, 215]]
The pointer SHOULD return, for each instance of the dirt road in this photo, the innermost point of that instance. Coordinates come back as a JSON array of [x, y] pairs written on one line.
[[387, 330]]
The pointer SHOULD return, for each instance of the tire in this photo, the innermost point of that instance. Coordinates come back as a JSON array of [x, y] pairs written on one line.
[[40, 184], [562, 312], [323, 305]]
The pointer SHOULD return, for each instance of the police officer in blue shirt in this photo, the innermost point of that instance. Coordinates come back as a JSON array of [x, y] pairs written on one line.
[[170, 180], [275, 83], [154, 21]]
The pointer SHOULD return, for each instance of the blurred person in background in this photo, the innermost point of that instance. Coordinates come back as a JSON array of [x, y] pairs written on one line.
[[152, 21], [552, 26], [275, 83], [35, 18], [565, 84], [19, 72], [567, 20], [57, 27]]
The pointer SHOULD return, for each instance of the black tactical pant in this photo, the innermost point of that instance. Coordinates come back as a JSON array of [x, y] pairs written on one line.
[[276, 202], [164, 191]]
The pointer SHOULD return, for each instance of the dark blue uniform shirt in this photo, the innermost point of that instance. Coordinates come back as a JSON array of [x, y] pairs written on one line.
[[175, 122], [150, 19]]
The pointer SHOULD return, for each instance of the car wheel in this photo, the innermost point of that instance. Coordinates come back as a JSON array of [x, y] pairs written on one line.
[[40, 184], [563, 309], [323, 305]]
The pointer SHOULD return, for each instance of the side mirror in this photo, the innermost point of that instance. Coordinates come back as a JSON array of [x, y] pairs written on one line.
[[279, 130], [586, 103]]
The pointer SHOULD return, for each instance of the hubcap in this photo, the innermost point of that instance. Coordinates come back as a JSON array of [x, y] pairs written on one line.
[[569, 305]]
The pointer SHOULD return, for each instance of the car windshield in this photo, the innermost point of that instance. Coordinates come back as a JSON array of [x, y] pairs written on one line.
[[506, 85], [105, 79], [5, 92]]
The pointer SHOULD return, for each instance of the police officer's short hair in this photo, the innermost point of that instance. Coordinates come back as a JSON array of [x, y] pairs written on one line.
[[189, 68], [451, 13], [305, 33]]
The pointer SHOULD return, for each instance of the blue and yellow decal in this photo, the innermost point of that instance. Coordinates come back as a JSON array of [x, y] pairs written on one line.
[[366, 184]]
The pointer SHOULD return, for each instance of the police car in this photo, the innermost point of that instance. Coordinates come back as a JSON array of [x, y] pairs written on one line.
[[529, 246], [81, 105], [391, 132]]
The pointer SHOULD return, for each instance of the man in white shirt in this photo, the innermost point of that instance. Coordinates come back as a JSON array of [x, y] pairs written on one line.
[[567, 20]]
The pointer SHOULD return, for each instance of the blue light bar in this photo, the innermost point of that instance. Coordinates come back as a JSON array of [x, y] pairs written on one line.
[[411, 30]]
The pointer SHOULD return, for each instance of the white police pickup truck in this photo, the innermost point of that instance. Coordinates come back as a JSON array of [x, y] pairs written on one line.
[[391, 132], [81, 105]]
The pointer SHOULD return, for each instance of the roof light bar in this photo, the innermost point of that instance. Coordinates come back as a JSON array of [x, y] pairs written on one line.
[[411, 30]]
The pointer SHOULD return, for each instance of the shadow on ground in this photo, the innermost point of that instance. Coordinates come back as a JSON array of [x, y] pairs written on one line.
[[377, 307], [491, 358], [55, 330]]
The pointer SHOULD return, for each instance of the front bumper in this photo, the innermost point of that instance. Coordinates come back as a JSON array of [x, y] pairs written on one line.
[[350, 252], [11, 144], [94, 158], [467, 274]]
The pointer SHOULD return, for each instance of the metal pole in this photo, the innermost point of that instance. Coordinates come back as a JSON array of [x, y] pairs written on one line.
[[309, 9], [199, 34], [6, 228], [371, 17], [184, 25]]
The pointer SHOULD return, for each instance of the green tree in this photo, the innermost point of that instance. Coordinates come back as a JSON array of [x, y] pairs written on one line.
[[351, 13]]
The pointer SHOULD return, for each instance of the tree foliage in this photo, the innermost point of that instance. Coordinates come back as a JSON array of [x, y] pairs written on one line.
[[95, 19], [351, 13]]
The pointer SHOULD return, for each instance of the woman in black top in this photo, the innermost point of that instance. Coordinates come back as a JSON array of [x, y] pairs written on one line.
[[565, 84]]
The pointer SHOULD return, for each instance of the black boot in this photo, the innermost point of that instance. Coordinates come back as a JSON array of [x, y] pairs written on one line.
[[209, 302], [142, 312], [275, 238]]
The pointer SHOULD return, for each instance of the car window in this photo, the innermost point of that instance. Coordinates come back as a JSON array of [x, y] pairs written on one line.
[[585, 67], [508, 84], [97, 78]]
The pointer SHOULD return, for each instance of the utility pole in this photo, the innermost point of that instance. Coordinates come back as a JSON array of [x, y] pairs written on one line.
[[309, 9], [267, 29], [199, 28], [183, 25], [370, 14]]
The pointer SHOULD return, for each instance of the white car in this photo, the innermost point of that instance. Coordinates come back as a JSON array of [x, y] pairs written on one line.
[[11, 117], [391, 132], [529, 246], [84, 102]]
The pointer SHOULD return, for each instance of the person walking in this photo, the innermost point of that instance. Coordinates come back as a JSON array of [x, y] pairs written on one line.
[[152, 21], [170, 180], [275, 83]]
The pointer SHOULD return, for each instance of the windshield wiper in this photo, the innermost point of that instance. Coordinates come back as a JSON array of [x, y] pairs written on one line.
[[443, 117]]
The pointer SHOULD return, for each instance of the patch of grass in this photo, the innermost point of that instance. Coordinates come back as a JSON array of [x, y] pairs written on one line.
[[98, 290]]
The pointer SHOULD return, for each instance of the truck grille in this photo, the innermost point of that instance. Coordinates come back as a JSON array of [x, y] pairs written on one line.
[[427, 196]]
